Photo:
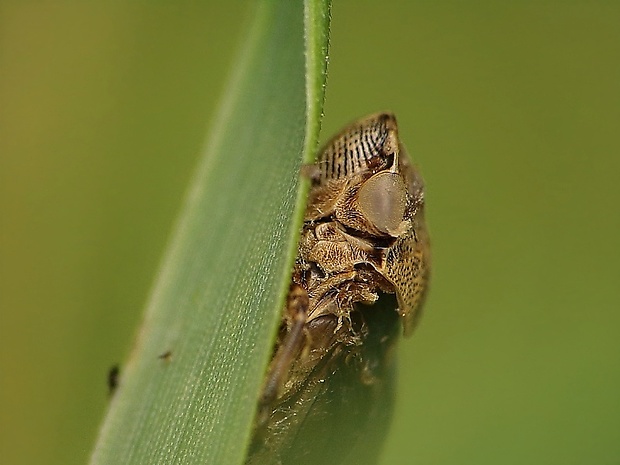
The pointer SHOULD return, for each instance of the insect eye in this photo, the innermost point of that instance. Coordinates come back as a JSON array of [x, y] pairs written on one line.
[[383, 200]]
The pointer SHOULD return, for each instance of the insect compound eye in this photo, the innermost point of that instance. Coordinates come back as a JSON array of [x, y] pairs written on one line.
[[383, 200]]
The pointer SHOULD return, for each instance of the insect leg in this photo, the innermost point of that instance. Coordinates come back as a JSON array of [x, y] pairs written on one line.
[[297, 311]]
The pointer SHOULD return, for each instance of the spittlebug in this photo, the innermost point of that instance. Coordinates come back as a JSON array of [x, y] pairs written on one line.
[[364, 236]]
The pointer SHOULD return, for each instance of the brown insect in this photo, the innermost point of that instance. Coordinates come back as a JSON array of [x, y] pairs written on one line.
[[363, 236]]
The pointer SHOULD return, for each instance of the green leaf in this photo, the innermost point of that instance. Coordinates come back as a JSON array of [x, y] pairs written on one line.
[[218, 297]]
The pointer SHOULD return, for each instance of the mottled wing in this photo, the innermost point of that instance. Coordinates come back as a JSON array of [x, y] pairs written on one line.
[[407, 267]]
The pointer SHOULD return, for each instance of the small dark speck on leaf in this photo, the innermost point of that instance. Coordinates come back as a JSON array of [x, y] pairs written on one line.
[[113, 375]]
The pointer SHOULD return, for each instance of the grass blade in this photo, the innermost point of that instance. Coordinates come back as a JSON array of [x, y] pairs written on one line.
[[218, 295]]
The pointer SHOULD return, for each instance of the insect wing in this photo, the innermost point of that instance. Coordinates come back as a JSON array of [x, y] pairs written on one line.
[[406, 267], [342, 410]]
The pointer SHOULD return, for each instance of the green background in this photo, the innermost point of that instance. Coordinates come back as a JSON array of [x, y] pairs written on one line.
[[512, 110]]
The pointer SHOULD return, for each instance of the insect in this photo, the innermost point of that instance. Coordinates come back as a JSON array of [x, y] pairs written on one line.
[[363, 237]]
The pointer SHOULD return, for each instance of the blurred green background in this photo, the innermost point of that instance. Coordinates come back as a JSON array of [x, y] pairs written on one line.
[[512, 110]]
